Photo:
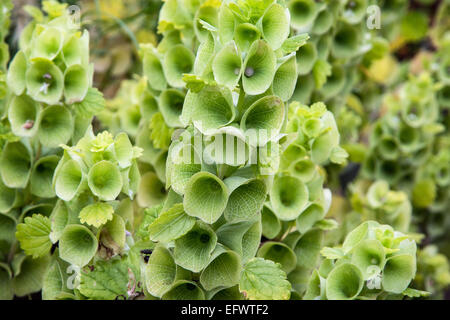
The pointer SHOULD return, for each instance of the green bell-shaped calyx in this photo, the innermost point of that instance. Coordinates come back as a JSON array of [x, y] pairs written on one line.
[[55, 126], [76, 83], [105, 180], [275, 25], [171, 106], [193, 250], [259, 68], [246, 198], [279, 253], [177, 61], [303, 12], [227, 65], [77, 245], [41, 179], [398, 272], [288, 197], [224, 270], [15, 164], [23, 115], [16, 78], [48, 43], [45, 81], [211, 108], [205, 197], [344, 282], [160, 272], [69, 180], [263, 120]]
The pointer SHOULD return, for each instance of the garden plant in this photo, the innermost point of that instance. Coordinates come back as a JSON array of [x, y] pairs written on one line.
[[225, 150]]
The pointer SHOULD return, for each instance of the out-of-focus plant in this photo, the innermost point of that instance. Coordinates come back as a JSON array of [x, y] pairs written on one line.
[[50, 101], [373, 262]]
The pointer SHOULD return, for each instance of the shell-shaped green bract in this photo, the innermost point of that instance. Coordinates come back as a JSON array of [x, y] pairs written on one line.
[[306, 58], [302, 12], [241, 237], [151, 190], [259, 68], [226, 24], [344, 282], [184, 290], [55, 126], [77, 245], [153, 70], [42, 176], [45, 81], [68, 180], [227, 65], [211, 108], [398, 273], [280, 253], [271, 225], [208, 14], [177, 61], [160, 272], [313, 213], [171, 106], [335, 82], [346, 41], [48, 44], [7, 198], [23, 115], [16, 78], [307, 248], [224, 270], [263, 120], [323, 22], [205, 197], [288, 197], [245, 34], [355, 11], [76, 83], [245, 201], [368, 253], [193, 250], [76, 50], [285, 79], [105, 180], [15, 165], [275, 25]]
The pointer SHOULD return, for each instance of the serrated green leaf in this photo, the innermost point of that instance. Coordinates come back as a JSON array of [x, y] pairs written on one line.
[[34, 235], [96, 214], [107, 280], [264, 280], [92, 104]]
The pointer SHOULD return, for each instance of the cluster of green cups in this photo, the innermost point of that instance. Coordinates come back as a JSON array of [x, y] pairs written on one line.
[[374, 262]]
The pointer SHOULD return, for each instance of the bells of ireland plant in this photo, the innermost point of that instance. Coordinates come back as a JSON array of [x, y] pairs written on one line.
[[224, 155], [373, 262]]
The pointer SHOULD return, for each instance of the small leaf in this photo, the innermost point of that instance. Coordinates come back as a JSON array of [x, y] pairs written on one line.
[[160, 134], [321, 70], [96, 214], [107, 281], [33, 235], [332, 253], [264, 280], [294, 43], [414, 293]]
